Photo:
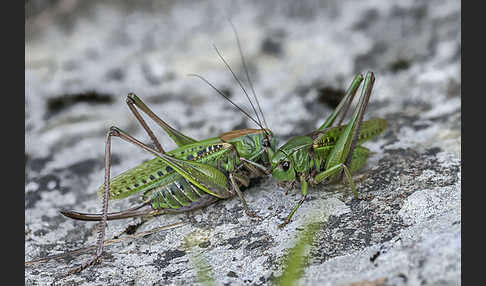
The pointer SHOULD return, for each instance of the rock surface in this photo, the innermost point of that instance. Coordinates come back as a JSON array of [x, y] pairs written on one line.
[[83, 57]]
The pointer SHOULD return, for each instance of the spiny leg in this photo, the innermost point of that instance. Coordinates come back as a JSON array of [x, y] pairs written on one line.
[[102, 225], [255, 168], [114, 131], [344, 147], [304, 187], [144, 209], [179, 138], [352, 91], [132, 102], [367, 87], [345, 102], [326, 174], [232, 177], [243, 180]]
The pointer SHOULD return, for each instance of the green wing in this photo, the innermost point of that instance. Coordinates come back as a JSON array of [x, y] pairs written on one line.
[[204, 176]]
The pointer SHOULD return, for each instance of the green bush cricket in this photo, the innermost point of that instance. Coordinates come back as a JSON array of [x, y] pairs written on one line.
[[194, 175], [328, 152]]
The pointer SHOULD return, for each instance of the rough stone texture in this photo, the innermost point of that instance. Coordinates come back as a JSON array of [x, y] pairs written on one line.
[[83, 57]]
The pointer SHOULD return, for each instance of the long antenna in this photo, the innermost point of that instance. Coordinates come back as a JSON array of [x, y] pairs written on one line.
[[247, 73], [239, 83], [227, 98]]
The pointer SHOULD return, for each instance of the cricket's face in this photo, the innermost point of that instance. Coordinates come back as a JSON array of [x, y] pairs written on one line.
[[291, 159], [282, 167]]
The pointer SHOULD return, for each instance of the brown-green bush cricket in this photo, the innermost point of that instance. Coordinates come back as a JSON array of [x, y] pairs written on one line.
[[329, 152], [194, 175]]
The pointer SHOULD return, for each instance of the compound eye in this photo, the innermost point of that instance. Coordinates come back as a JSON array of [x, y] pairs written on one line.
[[286, 166]]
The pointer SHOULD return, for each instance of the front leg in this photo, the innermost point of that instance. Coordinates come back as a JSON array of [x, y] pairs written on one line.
[[237, 190], [255, 168], [303, 187]]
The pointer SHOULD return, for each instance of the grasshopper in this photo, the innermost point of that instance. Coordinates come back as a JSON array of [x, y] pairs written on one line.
[[192, 176], [328, 152]]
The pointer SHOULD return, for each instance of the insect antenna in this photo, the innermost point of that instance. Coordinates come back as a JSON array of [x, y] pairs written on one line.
[[226, 97], [247, 73], [239, 83]]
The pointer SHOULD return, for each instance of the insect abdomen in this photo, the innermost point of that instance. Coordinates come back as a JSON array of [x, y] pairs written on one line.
[[143, 176], [369, 129], [175, 194], [153, 173]]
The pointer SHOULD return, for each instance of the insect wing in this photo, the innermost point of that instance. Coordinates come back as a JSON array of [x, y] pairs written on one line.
[[204, 176]]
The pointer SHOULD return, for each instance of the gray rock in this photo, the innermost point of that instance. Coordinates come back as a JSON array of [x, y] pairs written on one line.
[[83, 57]]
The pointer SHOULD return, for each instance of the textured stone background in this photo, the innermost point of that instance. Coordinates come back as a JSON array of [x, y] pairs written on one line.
[[83, 57]]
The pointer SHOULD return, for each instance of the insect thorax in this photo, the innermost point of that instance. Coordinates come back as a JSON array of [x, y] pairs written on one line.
[[249, 143]]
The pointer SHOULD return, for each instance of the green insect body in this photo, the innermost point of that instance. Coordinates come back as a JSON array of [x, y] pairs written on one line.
[[194, 175], [154, 173], [309, 155], [329, 152], [165, 188]]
